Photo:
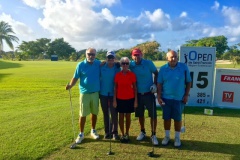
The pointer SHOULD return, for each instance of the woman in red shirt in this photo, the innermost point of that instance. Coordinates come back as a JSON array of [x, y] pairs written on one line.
[[125, 96]]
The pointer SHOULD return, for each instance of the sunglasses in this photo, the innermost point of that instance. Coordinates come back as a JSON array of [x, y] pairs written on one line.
[[125, 63], [91, 54], [136, 55], [110, 57]]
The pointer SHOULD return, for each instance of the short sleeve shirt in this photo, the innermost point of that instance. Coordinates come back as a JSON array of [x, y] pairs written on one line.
[[124, 83], [89, 75], [144, 73], [173, 80], [107, 75]]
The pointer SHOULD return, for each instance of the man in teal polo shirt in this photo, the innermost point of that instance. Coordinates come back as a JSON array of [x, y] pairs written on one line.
[[146, 74], [88, 71], [174, 84]]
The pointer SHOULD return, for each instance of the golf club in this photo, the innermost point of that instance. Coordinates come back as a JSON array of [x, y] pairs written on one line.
[[74, 144], [151, 154], [109, 117], [183, 128]]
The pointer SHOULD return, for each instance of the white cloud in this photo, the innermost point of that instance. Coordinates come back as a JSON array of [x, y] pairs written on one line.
[[158, 19], [108, 3], [77, 22], [37, 4], [215, 6], [22, 31], [231, 15], [183, 14]]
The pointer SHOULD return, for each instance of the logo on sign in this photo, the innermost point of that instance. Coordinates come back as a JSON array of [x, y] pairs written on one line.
[[194, 58], [227, 96], [230, 78]]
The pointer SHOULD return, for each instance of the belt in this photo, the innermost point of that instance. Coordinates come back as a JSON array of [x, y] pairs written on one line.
[[145, 93]]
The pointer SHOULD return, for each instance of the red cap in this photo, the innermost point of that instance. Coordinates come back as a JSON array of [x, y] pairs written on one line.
[[136, 51]]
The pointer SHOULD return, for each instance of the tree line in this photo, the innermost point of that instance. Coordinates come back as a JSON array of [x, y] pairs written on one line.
[[43, 48]]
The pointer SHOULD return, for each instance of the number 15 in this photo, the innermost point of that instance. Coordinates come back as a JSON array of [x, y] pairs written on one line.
[[201, 77]]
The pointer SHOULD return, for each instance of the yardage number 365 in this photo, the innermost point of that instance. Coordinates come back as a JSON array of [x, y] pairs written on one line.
[[201, 78]]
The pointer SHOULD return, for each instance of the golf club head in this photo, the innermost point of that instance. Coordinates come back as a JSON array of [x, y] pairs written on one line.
[[183, 129], [110, 153], [151, 154], [73, 146]]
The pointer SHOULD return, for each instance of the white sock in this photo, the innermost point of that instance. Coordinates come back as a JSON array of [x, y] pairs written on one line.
[[167, 133], [177, 134]]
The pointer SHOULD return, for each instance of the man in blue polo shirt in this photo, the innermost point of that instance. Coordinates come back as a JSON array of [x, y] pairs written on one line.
[[107, 74], [146, 74], [174, 84], [88, 71]]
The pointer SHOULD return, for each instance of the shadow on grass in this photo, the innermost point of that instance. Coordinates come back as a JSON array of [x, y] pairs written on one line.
[[200, 146], [3, 76], [7, 64]]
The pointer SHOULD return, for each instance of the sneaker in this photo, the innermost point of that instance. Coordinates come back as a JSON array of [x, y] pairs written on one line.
[[116, 137], [165, 141], [177, 142], [154, 140], [124, 139], [107, 136], [79, 138], [141, 136], [94, 134]]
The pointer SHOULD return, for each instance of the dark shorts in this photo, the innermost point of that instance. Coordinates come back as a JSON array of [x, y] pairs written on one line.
[[148, 102], [172, 109], [125, 106]]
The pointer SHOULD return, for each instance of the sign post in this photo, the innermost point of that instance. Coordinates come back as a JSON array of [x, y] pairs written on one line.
[[201, 64]]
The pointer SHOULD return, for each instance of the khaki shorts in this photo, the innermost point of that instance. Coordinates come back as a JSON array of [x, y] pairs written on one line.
[[89, 103]]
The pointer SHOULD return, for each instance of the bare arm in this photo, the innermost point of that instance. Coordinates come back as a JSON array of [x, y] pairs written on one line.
[[135, 95], [159, 94], [187, 89], [155, 77]]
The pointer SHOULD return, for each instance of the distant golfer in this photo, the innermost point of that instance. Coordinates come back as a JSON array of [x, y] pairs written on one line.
[[88, 71], [174, 84], [146, 74], [108, 72]]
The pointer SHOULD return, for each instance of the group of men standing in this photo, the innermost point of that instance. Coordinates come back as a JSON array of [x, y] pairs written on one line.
[[97, 80]]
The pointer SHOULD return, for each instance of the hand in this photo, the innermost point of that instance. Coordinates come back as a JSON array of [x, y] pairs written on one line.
[[185, 99], [153, 88], [161, 102], [68, 86], [103, 63], [117, 64], [135, 105]]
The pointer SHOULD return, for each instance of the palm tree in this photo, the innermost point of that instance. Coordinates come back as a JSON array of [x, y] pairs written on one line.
[[6, 35]]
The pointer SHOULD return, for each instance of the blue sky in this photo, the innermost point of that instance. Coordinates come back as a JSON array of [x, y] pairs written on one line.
[[115, 24]]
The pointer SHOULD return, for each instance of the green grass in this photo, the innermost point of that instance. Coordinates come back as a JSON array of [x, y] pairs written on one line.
[[36, 121]]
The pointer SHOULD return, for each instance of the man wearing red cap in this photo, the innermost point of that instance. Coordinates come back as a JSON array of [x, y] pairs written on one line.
[[146, 87]]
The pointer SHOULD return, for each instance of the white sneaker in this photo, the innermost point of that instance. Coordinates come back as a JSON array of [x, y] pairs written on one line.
[[94, 134], [165, 141], [141, 136], [177, 142], [79, 138], [154, 140]]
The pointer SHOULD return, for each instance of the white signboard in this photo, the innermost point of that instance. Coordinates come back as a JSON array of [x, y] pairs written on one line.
[[201, 64], [227, 88]]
